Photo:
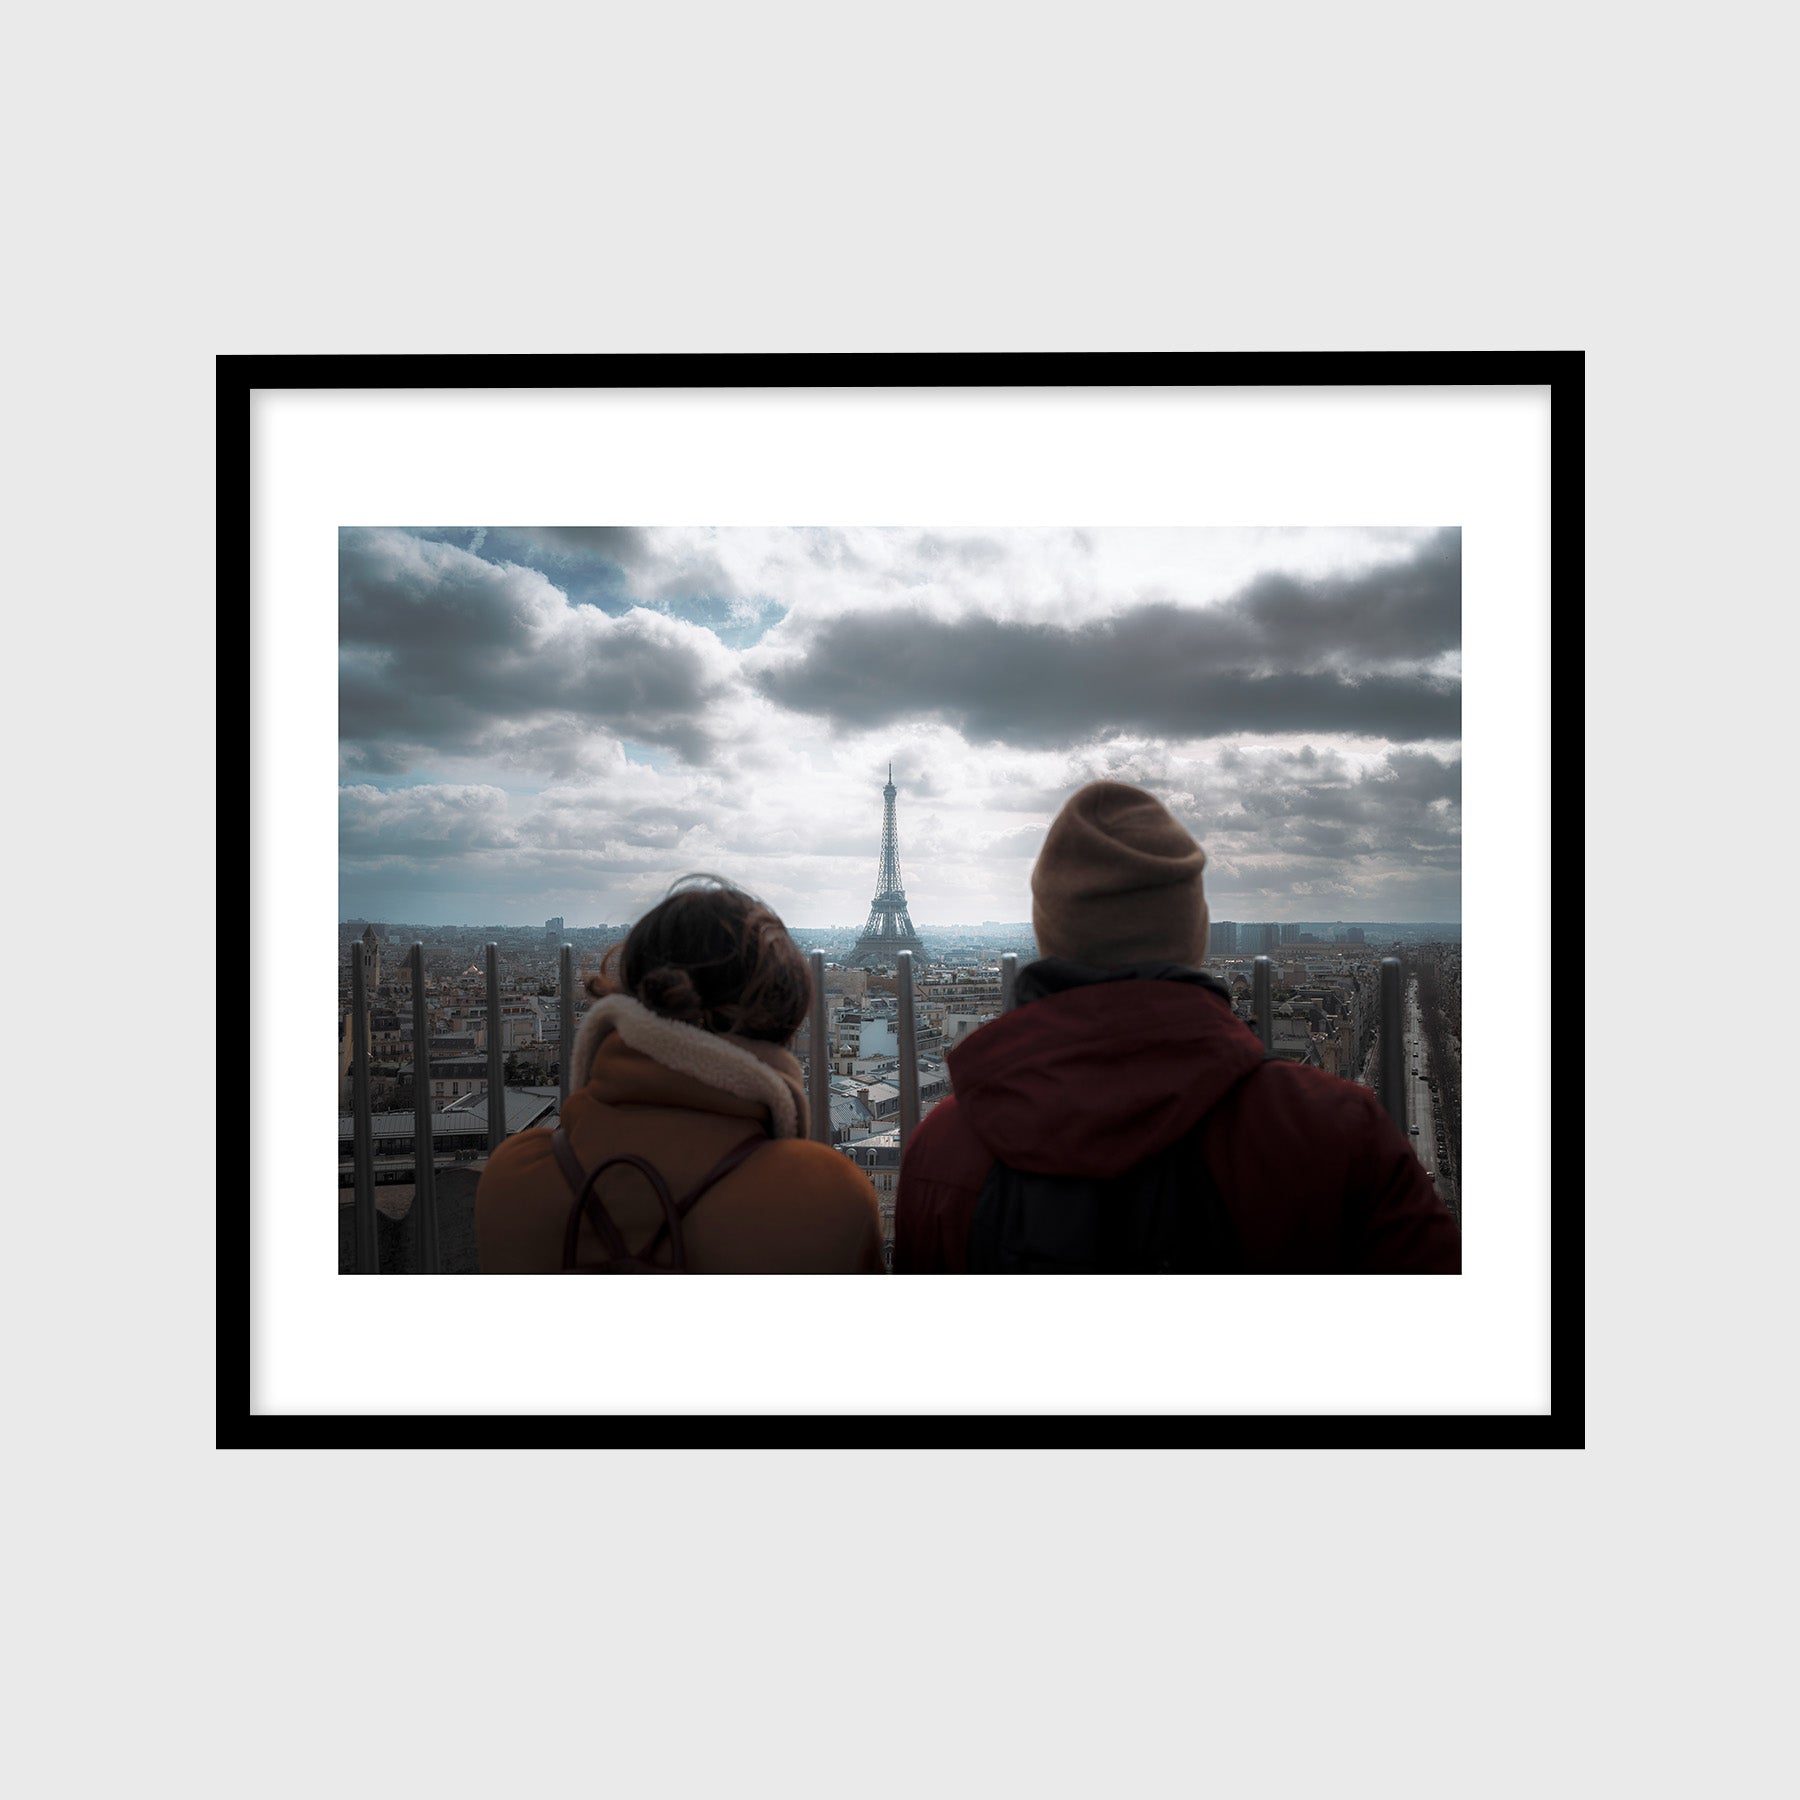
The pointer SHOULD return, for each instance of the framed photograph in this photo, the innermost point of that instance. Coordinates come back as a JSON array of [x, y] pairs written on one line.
[[1023, 694]]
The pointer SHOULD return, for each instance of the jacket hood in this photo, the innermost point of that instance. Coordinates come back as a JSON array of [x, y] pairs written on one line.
[[643, 1059], [1097, 1069]]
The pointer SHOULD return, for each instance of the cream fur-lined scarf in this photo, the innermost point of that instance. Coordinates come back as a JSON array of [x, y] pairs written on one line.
[[715, 1060]]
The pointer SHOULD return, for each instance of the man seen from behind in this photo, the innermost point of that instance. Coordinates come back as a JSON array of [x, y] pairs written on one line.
[[1121, 1118]]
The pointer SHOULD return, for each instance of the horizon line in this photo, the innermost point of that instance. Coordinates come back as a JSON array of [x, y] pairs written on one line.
[[921, 925]]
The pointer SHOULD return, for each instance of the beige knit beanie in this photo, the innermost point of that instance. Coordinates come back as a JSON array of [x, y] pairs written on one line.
[[1118, 881]]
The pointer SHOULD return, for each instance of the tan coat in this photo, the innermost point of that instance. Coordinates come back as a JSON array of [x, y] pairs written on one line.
[[681, 1098]]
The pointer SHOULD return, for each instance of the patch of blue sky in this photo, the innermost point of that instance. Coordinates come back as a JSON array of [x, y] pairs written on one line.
[[731, 622], [393, 784], [651, 759], [589, 576]]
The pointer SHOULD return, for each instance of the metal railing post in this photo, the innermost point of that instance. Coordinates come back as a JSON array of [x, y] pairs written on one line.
[[565, 1024], [818, 1071], [424, 1206], [362, 1128], [1263, 1001], [909, 1056], [1391, 1069], [1009, 974], [496, 1094]]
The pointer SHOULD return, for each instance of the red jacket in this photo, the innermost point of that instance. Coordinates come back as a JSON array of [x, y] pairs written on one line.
[[1092, 1079]]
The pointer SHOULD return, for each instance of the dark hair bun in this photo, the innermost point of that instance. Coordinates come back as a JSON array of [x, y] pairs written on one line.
[[671, 992], [711, 955]]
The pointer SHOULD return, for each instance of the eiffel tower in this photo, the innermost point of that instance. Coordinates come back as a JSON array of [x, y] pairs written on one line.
[[890, 929]]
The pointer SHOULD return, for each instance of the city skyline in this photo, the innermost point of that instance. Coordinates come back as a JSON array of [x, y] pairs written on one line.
[[849, 929], [562, 721]]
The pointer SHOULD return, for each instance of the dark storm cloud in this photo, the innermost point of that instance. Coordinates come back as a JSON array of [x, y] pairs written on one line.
[[620, 545], [1317, 815], [431, 822], [1319, 888], [1342, 654], [617, 567], [1318, 810], [623, 544], [593, 564], [443, 651], [1417, 775]]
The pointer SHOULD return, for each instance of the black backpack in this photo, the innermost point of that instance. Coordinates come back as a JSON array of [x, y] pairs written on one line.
[[621, 1260], [1163, 1216]]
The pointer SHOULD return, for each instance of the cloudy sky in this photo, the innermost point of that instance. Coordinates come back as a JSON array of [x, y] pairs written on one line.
[[562, 720]]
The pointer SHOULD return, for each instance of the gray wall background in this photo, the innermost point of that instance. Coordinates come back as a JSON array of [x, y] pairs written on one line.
[[954, 178]]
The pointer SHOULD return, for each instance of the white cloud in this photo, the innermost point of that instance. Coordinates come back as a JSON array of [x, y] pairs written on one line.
[[566, 758]]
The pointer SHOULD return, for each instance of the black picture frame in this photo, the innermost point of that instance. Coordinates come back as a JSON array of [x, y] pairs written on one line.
[[1562, 372]]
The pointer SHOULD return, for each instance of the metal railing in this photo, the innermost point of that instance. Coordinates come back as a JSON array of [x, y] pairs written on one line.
[[909, 1052], [565, 1020], [906, 1075], [1390, 1067], [424, 1163], [1390, 1088], [496, 1030], [818, 1070], [362, 1125]]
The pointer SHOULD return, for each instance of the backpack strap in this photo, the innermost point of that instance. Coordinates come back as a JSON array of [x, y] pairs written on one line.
[[738, 1153], [589, 1202], [582, 1185]]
